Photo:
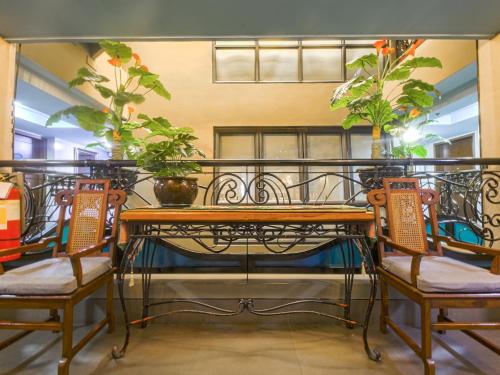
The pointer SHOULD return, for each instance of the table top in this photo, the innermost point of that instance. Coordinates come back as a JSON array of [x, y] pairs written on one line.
[[267, 214]]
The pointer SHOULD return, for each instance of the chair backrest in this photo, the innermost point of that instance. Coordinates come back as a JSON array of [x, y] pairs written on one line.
[[90, 203], [401, 203]]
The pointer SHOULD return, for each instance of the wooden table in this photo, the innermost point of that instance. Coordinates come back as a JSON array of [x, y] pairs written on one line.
[[264, 225]]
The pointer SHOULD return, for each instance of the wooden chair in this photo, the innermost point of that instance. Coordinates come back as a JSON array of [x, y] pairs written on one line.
[[67, 277], [427, 277]]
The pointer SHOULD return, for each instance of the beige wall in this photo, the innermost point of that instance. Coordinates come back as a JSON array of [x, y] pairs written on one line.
[[7, 79], [186, 70], [489, 96], [454, 55], [63, 60]]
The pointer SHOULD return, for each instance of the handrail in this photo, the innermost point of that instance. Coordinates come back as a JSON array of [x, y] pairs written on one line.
[[259, 162]]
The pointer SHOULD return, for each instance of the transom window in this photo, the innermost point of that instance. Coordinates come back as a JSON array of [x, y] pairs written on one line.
[[310, 60]]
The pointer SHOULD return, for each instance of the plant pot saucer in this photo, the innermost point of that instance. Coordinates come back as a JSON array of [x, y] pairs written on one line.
[[173, 205]]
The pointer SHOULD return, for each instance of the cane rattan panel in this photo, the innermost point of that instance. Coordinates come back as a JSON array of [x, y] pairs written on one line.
[[88, 220], [406, 222]]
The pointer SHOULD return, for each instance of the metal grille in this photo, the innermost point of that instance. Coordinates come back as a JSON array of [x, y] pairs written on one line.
[[87, 221], [407, 223]]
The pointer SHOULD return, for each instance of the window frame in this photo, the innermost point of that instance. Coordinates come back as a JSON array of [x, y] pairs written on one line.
[[343, 44], [301, 132]]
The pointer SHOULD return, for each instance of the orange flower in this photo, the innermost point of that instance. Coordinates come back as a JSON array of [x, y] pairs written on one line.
[[414, 46], [137, 58], [145, 68], [379, 44], [106, 110], [115, 62], [131, 109], [414, 113], [388, 51]]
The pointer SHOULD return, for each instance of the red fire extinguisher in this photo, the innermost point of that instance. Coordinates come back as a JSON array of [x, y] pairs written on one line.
[[10, 220]]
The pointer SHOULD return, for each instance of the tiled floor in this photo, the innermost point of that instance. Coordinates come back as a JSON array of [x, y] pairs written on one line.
[[220, 347]]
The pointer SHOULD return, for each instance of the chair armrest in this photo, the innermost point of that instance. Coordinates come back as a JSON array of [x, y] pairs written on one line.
[[396, 246], [416, 257], [41, 245], [495, 264], [76, 264], [468, 246]]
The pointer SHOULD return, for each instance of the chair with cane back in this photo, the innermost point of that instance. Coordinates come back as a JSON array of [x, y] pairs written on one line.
[[72, 273], [425, 275]]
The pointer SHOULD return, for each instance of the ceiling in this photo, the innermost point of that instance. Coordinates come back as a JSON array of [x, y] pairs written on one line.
[[35, 20]]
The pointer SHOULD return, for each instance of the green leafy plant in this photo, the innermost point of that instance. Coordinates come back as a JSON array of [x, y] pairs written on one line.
[[366, 97], [165, 157], [131, 83]]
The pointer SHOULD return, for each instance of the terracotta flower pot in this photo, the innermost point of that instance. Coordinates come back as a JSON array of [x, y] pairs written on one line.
[[175, 191]]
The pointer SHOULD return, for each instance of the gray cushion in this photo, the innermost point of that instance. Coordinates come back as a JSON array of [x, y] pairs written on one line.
[[443, 274], [51, 276]]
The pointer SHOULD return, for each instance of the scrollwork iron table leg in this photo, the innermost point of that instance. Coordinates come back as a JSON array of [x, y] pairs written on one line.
[[372, 274], [127, 255]]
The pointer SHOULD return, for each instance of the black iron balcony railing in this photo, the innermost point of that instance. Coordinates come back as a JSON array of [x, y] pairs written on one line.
[[469, 188]]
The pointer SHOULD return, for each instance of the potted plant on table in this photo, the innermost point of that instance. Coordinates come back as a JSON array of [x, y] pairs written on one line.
[[383, 90], [131, 83], [168, 160]]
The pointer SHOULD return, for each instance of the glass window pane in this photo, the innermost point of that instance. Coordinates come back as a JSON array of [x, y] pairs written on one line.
[[320, 64], [321, 42], [281, 146], [278, 43], [361, 148], [232, 181], [234, 43], [235, 65], [279, 64], [325, 187], [236, 146], [354, 53]]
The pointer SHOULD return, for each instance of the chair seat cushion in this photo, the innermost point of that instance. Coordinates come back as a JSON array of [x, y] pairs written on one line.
[[445, 275], [51, 276]]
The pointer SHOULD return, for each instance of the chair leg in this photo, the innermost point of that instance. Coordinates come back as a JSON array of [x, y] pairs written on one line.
[[426, 340], [443, 314], [54, 316], [384, 303], [67, 345], [110, 316]]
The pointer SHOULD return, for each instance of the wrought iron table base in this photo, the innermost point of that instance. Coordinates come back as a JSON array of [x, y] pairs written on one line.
[[347, 241]]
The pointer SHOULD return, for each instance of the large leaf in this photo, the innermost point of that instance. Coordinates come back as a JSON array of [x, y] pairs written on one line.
[[419, 151], [149, 80], [350, 120], [360, 87], [340, 103], [88, 118], [158, 88], [117, 50], [399, 74], [122, 98], [379, 111], [419, 98], [104, 91], [422, 62], [363, 62], [87, 75], [421, 85]]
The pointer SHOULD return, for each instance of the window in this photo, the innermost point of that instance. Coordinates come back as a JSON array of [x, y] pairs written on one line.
[[311, 60], [280, 143]]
